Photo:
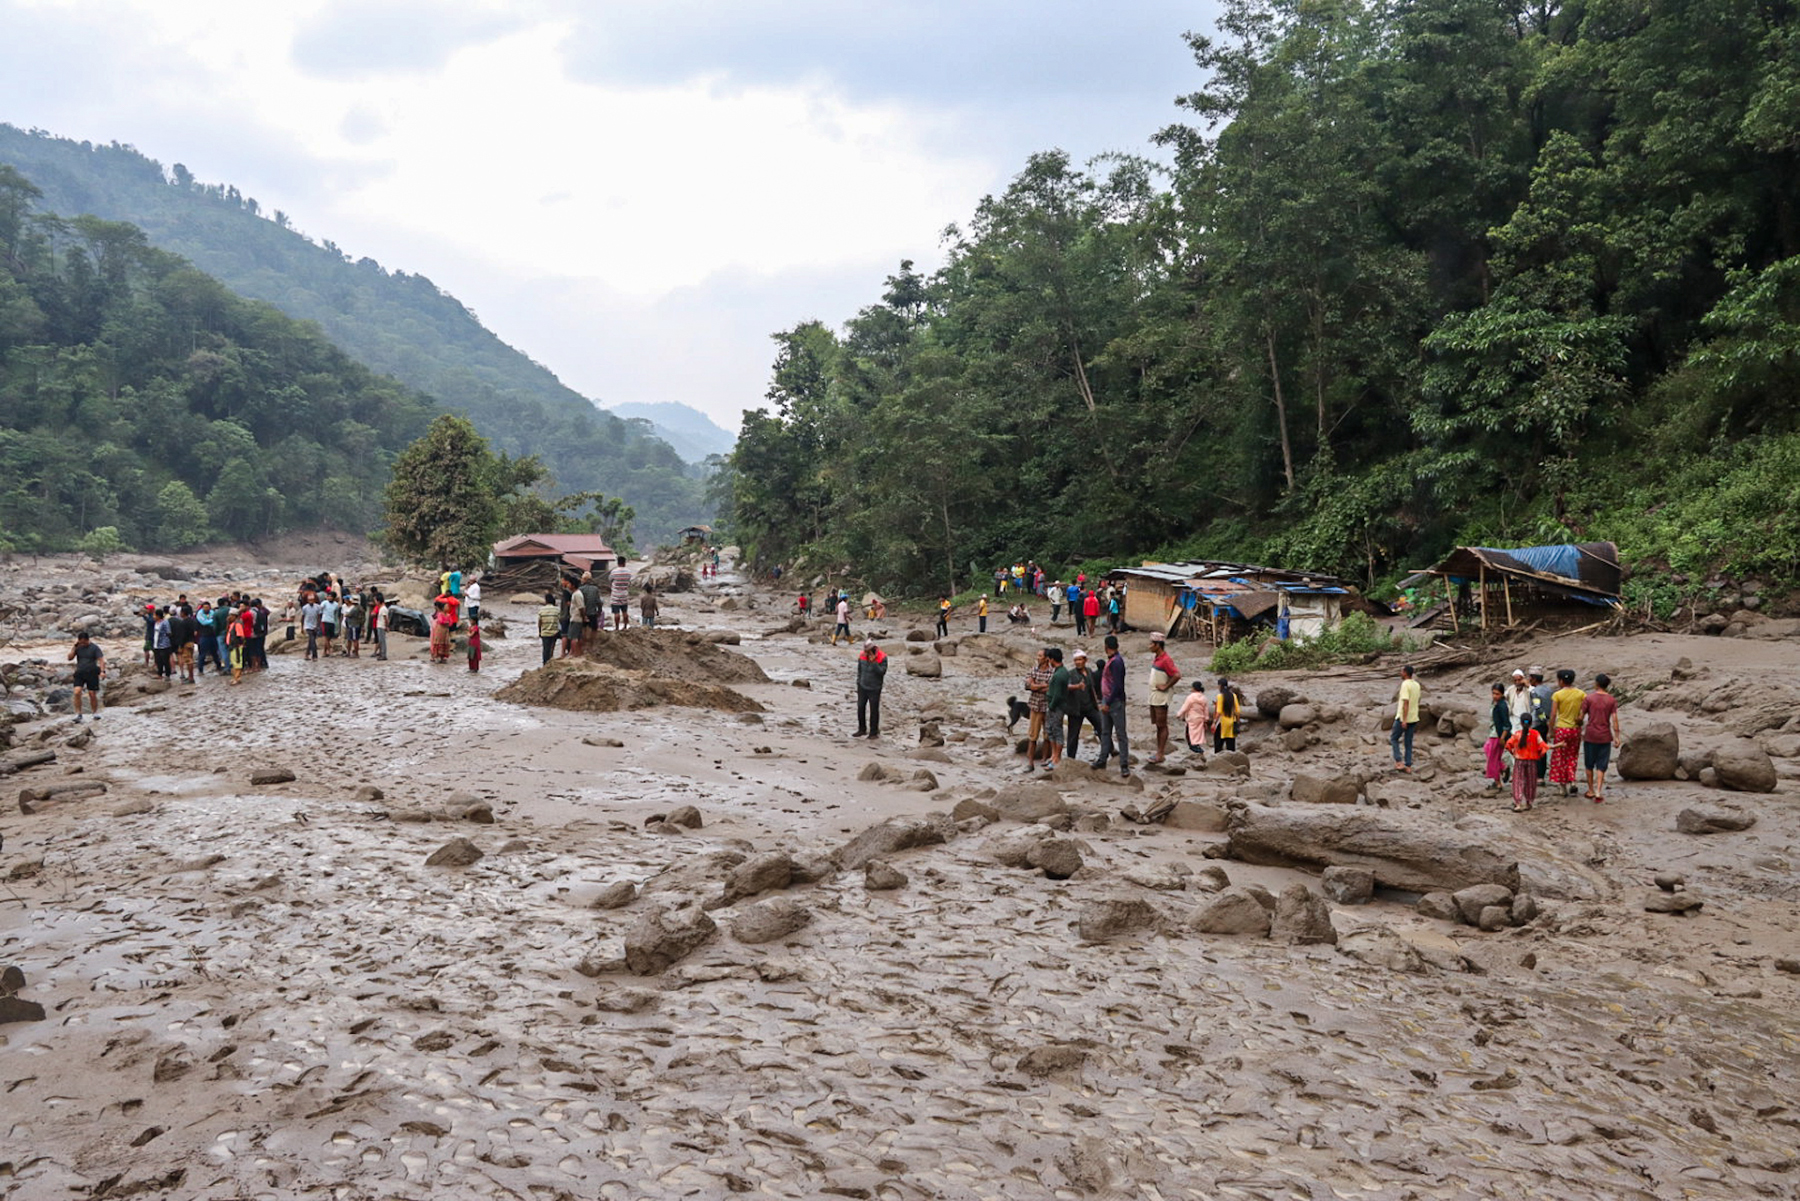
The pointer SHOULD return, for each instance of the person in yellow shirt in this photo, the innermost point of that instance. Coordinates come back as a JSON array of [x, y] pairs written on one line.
[[981, 613], [1225, 718], [1406, 719], [1565, 723]]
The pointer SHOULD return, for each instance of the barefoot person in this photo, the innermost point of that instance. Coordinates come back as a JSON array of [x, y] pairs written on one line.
[[1599, 734], [1037, 701], [90, 666], [1565, 720], [1164, 675]]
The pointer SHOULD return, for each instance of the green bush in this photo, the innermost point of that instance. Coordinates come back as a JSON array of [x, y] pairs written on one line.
[[1355, 636], [101, 542]]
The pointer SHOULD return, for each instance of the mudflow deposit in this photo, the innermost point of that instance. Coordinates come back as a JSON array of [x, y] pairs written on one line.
[[394, 930]]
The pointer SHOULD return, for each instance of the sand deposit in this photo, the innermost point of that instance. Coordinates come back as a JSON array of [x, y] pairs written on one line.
[[686, 952]]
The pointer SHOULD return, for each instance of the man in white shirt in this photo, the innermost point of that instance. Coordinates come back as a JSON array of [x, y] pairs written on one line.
[[843, 621], [472, 591]]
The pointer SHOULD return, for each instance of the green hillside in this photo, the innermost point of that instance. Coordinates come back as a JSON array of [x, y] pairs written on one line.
[[1415, 274], [142, 397], [394, 322]]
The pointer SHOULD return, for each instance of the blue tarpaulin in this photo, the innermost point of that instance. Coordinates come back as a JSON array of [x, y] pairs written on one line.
[[1564, 560]]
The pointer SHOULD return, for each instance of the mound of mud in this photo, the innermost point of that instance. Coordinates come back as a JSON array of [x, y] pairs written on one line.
[[675, 654], [590, 687]]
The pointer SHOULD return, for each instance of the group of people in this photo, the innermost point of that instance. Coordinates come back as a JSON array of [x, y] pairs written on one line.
[[1093, 609], [180, 639], [578, 610]]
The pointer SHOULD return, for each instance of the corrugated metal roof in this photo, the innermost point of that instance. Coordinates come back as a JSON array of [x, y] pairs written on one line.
[[560, 544]]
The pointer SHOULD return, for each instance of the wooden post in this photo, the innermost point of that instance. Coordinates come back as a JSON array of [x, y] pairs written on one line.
[[1450, 600], [1506, 589], [1483, 585]]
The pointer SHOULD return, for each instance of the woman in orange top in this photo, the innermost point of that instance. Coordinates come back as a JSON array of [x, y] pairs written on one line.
[[1527, 747]]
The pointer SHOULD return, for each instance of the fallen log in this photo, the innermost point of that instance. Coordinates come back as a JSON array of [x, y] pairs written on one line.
[[32, 799], [17, 763]]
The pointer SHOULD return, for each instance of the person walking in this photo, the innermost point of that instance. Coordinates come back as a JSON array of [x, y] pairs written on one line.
[[1527, 748], [647, 607], [1090, 610], [1565, 724], [981, 615], [1037, 704], [1112, 709], [1406, 719], [1599, 734], [1499, 730], [90, 668], [871, 673], [1072, 594], [1057, 596], [549, 625], [943, 611], [1226, 712], [244, 656], [842, 613], [1164, 675], [1080, 704], [1196, 718]]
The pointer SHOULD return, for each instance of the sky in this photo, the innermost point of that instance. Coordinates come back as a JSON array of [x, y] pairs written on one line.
[[637, 195]]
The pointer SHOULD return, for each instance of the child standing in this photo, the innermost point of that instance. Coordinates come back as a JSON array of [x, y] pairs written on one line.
[[1527, 747], [474, 646], [1499, 729]]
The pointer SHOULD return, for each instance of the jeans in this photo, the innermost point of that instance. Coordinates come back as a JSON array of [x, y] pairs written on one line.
[[550, 642], [868, 711], [1112, 736], [312, 642], [1080, 622], [1404, 730], [1055, 612], [381, 643], [983, 621], [943, 629], [209, 649]]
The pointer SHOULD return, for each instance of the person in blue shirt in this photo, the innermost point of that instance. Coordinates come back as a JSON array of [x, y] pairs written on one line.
[[455, 582]]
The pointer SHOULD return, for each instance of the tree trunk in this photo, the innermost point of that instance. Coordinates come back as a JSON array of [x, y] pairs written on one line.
[[1287, 449]]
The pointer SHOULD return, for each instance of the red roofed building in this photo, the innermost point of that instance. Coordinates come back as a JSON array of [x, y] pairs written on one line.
[[584, 551]]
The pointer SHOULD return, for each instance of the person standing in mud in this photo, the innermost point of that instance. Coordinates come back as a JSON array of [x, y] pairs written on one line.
[[244, 657], [578, 622], [1080, 703], [549, 625], [474, 646], [1112, 709], [1037, 704], [1164, 675], [1406, 720], [1499, 730], [943, 614], [354, 615], [260, 642], [1541, 710], [981, 615], [472, 598], [1226, 712], [1527, 748], [378, 621], [647, 607], [162, 644], [90, 668], [1518, 705], [1195, 716], [871, 673], [184, 632], [1565, 722], [596, 607], [329, 613], [1599, 734], [842, 612], [620, 599], [209, 640]]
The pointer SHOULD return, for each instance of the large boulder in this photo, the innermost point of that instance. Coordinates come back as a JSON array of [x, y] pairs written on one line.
[[1059, 858], [928, 666], [1110, 917], [1477, 897], [1272, 700], [1316, 790], [1294, 716], [1713, 819], [1029, 802], [1302, 917], [1651, 753], [1234, 911], [1417, 852], [1196, 815], [900, 834], [768, 920], [757, 874], [663, 937], [1742, 766], [1348, 885]]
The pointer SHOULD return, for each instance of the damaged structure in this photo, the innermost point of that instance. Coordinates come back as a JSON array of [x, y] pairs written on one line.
[[1220, 601], [1494, 588], [535, 562]]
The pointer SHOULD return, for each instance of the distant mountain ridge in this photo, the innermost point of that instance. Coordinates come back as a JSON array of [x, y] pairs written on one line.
[[693, 434], [394, 322]]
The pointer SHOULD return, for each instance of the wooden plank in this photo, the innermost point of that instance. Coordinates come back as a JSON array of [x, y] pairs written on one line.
[[1483, 577], [1506, 588]]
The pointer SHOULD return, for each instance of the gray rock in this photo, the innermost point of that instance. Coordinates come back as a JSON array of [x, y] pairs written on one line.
[[17, 1009], [1669, 881], [616, 896], [1472, 900], [12, 980], [1228, 763], [1672, 902], [1524, 910], [1050, 1059], [1314, 790], [1713, 819], [1494, 917], [1294, 716], [927, 666], [1263, 896], [891, 837], [1742, 766], [1109, 917], [1379, 946], [810, 867], [1272, 700], [271, 775], [1348, 885], [875, 773], [662, 938], [881, 876], [768, 920], [1029, 802], [1653, 752], [1234, 911], [458, 852], [970, 807], [1438, 905], [758, 874], [684, 815], [1060, 858], [1302, 917], [1211, 878], [922, 781]]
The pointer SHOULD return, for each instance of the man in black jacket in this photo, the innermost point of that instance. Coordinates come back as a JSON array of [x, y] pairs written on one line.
[[871, 671], [1080, 701]]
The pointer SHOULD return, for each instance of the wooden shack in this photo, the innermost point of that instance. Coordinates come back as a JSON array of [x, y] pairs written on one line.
[[533, 562], [1490, 587], [1219, 601]]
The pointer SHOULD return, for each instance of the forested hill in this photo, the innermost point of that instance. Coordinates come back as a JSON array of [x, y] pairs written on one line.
[[1454, 270], [396, 323], [143, 404]]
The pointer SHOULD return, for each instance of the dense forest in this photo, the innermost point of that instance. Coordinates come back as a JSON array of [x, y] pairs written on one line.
[[1407, 274], [143, 404], [396, 323]]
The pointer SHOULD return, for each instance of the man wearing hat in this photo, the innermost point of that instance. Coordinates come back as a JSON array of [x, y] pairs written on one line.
[[1164, 675], [1518, 706], [1079, 702], [871, 671]]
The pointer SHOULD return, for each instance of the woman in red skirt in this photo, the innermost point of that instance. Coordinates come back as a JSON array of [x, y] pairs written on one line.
[[1565, 709]]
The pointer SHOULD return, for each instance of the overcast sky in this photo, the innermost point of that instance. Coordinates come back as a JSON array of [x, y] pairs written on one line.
[[635, 194]]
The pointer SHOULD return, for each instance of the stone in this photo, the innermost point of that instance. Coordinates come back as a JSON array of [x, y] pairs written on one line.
[[970, 807], [458, 852], [1348, 885], [1653, 752], [601, 741], [12, 980], [616, 896], [1314, 790], [1472, 900], [1669, 881], [1109, 917], [1379, 946], [1029, 802], [1302, 917], [889, 837], [1742, 766], [756, 875], [1234, 911], [1211, 878], [1672, 902], [926, 666], [768, 920], [811, 867], [663, 937], [369, 793], [271, 775], [922, 781], [882, 876], [1013, 847], [1059, 857], [1494, 918], [1293, 717], [685, 816], [1272, 700], [1049, 1059], [1713, 819], [1524, 910], [1440, 906], [1228, 763], [481, 813], [17, 1009], [875, 773]]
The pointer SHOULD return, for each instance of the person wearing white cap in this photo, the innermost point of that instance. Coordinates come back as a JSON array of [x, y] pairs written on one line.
[[1080, 703], [1518, 705]]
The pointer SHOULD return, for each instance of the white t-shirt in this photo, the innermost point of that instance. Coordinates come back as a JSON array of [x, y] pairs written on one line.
[[843, 613], [473, 592]]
